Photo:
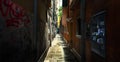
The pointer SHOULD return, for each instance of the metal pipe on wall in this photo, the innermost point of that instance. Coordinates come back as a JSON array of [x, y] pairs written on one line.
[[83, 31], [35, 27]]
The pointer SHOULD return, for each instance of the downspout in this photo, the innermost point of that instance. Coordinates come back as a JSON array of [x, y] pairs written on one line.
[[53, 16], [53, 9], [83, 31], [35, 27], [50, 35]]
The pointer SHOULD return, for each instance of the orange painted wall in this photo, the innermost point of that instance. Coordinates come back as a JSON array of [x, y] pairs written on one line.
[[64, 23], [70, 36], [75, 40], [112, 29]]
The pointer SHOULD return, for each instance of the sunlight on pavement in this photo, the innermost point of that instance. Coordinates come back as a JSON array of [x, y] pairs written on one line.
[[55, 52]]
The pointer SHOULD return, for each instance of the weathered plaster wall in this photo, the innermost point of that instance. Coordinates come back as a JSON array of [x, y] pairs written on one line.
[[15, 32]]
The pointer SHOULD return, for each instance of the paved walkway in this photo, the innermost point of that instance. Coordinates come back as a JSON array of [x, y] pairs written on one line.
[[59, 52]]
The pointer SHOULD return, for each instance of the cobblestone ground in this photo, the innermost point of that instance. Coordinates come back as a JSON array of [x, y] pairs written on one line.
[[59, 52]]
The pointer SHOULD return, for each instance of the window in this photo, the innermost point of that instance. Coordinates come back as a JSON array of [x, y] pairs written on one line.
[[78, 30], [65, 3], [98, 33]]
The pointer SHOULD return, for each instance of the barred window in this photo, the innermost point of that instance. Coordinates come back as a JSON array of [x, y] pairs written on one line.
[[98, 33]]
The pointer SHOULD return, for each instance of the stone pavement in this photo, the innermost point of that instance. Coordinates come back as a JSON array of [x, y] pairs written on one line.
[[59, 52]]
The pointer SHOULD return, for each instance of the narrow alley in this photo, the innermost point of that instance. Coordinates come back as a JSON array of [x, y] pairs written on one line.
[[59, 51], [59, 30]]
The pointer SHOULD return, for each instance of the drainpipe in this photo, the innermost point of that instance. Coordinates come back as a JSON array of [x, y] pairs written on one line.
[[35, 27], [83, 31], [50, 30], [53, 16]]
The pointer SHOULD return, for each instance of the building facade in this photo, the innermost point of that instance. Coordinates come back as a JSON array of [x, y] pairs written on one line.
[[100, 20], [22, 30]]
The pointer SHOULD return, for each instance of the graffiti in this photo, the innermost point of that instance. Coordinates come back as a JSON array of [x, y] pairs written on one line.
[[13, 22], [13, 19], [15, 32], [4, 3], [14, 14]]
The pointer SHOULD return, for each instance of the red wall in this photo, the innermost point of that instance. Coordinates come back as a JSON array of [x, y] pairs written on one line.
[[64, 23], [112, 27], [113, 31], [70, 36]]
